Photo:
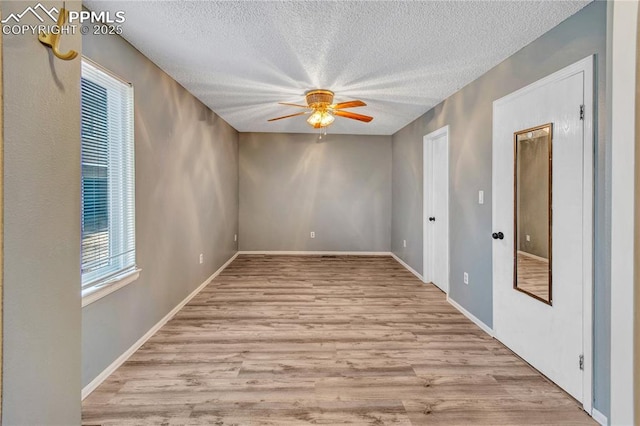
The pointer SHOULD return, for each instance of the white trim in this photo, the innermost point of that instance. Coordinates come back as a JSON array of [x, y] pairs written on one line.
[[425, 253], [105, 70], [599, 417], [100, 290], [472, 317], [315, 253], [584, 66], [622, 109], [588, 232], [409, 268], [86, 391]]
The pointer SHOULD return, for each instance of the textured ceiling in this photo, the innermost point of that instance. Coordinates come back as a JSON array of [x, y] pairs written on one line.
[[242, 57]]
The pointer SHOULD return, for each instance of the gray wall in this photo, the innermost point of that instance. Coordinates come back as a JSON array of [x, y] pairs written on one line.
[[186, 204], [291, 185], [41, 230], [469, 114]]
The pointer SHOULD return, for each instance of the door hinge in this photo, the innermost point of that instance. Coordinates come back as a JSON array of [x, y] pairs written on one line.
[[581, 362], [581, 112]]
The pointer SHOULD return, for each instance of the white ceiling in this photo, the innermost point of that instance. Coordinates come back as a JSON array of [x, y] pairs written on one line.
[[402, 58]]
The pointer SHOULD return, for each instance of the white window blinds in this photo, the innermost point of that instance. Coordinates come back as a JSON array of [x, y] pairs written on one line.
[[108, 176]]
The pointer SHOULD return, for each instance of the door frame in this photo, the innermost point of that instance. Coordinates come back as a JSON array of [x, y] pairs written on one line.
[[1, 217], [585, 66], [622, 109], [443, 131]]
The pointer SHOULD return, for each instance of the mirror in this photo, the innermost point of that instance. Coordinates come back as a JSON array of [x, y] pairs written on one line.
[[532, 186]]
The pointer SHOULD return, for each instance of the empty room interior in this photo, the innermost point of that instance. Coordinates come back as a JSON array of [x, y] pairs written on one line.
[[320, 212]]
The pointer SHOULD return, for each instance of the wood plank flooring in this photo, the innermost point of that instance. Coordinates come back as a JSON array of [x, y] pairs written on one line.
[[533, 275], [297, 340]]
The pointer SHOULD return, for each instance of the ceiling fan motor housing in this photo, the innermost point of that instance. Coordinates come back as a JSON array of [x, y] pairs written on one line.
[[319, 99]]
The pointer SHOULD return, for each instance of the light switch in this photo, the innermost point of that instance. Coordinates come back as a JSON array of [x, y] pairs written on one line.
[[480, 197]]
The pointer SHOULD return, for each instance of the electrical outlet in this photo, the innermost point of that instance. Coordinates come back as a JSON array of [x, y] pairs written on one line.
[[235, 237], [404, 243], [528, 237], [466, 278], [201, 258], [312, 234]]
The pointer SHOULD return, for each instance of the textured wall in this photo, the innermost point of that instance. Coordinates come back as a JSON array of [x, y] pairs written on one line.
[[186, 203], [340, 189], [468, 112], [41, 230]]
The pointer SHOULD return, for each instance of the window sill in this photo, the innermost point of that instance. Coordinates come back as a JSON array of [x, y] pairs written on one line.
[[100, 290]]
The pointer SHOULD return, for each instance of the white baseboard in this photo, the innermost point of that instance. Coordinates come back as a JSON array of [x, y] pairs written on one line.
[[599, 417], [409, 268], [86, 391], [472, 317], [315, 253]]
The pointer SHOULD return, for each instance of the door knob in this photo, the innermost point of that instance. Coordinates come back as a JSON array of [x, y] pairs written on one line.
[[432, 219], [497, 235]]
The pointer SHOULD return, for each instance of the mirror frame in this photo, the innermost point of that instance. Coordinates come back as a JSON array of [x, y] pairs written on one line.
[[515, 211]]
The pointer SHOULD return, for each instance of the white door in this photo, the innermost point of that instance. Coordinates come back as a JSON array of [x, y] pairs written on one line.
[[436, 208], [554, 337]]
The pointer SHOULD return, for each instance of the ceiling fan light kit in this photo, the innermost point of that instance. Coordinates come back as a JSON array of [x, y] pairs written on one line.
[[323, 111], [320, 119]]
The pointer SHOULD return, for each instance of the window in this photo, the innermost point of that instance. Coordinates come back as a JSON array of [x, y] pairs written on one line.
[[108, 179]]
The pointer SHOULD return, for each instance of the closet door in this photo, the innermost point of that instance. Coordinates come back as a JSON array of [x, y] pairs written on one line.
[[542, 226], [436, 209]]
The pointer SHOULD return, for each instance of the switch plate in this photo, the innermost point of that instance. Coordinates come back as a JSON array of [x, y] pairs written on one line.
[[235, 237], [404, 243], [201, 258], [312, 234], [480, 197], [466, 278], [528, 237]]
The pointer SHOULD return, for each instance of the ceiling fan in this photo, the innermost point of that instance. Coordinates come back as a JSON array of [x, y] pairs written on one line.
[[323, 111]]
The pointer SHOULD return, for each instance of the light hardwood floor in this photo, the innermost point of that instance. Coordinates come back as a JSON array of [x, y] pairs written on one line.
[[296, 340], [533, 275]]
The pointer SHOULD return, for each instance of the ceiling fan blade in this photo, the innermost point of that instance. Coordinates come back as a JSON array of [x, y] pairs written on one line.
[[288, 116], [295, 105], [353, 116], [348, 104]]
